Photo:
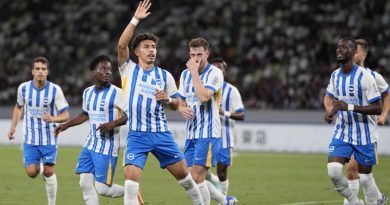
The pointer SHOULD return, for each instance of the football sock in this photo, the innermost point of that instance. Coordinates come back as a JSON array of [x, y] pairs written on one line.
[[51, 189], [89, 193], [114, 190], [369, 188], [191, 189], [131, 191], [204, 191], [354, 186], [224, 187], [340, 182], [215, 194]]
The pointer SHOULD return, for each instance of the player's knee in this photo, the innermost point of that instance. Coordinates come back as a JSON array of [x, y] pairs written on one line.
[[365, 178], [48, 172], [222, 176], [85, 184], [335, 171], [32, 174]]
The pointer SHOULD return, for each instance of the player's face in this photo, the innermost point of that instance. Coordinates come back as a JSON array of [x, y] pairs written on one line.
[[221, 66], [360, 55], [103, 72], [200, 54], [40, 71], [344, 51], [146, 51]]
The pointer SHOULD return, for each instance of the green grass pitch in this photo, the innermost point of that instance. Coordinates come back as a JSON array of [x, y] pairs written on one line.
[[255, 179]]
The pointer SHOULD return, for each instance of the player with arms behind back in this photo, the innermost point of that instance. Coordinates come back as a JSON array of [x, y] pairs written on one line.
[[105, 108], [44, 106], [147, 89], [356, 102]]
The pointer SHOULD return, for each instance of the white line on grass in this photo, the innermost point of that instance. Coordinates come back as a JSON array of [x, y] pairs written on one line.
[[314, 202]]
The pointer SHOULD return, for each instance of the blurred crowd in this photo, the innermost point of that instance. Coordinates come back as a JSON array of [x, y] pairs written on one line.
[[280, 53]]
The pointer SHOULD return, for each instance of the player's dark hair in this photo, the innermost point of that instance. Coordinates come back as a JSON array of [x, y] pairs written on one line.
[[351, 40], [40, 59], [97, 60], [199, 42], [363, 44], [219, 60], [142, 37]]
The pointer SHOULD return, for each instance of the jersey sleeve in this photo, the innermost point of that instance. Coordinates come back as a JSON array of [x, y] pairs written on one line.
[[120, 102], [84, 106], [236, 100], [181, 91], [171, 88], [214, 81], [371, 89], [330, 89], [60, 101], [20, 98], [383, 87], [126, 67]]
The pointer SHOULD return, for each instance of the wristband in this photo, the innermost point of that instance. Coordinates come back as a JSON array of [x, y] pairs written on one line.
[[134, 21], [351, 107], [169, 100], [227, 114]]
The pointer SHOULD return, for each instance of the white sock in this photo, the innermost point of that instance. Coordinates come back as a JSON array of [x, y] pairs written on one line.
[[51, 189], [224, 187], [89, 193], [354, 186], [191, 189], [369, 188], [41, 168], [204, 191], [377, 189], [212, 178], [340, 182], [131, 191], [114, 190], [215, 193]]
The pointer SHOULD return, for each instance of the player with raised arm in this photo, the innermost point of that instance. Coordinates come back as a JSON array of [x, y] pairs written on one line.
[[356, 102], [200, 91], [352, 168], [105, 108], [147, 89], [232, 108], [44, 106]]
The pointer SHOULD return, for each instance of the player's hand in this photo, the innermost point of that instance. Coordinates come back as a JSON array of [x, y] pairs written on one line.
[[382, 119], [340, 105], [47, 117], [187, 112], [60, 128], [328, 118], [161, 96], [142, 10], [106, 127], [221, 112], [11, 134], [193, 66]]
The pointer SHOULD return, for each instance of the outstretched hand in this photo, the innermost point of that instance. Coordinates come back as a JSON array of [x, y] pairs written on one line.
[[142, 10]]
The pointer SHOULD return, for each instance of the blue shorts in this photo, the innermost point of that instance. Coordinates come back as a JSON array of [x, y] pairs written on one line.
[[160, 144], [101, 165], [32, 154], [202, 151], [225, 156], [365, 155]]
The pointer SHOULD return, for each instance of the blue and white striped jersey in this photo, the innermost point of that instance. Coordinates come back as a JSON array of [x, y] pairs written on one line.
[[146, 114], [206, 122], [383, 87], [36, 103], [231, 102], [103, 106], [357, 88]]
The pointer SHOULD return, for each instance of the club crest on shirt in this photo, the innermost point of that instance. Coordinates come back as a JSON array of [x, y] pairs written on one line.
[[160, 84], [45, 102], [351, 89], [102, 103]]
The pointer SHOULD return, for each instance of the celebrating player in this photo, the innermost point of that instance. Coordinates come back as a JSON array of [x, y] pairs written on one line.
[[147, 89], [44, 105], [105, 108]]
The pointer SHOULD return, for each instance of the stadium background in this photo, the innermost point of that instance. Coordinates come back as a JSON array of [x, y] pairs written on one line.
[[280, 55]]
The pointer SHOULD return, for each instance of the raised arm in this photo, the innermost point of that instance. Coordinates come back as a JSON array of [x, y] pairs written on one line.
[[16, 114], [203, 94], [124, 40]]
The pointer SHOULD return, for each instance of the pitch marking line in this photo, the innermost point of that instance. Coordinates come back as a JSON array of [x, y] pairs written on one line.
[[315, 202]]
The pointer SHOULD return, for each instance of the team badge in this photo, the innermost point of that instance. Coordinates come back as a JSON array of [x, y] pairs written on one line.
[[351, 89], [160, 84]]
